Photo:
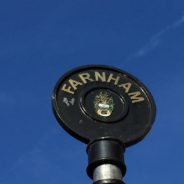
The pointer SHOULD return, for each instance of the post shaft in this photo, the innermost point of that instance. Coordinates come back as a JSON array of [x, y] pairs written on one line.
[[106, 162]]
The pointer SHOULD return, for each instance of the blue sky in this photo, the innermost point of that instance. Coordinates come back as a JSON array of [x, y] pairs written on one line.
[[41, 40]]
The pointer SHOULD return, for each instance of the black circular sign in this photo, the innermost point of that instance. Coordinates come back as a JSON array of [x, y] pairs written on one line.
[[95, 101]]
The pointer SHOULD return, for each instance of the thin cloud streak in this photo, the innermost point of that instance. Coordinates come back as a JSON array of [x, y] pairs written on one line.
[[155, 40]]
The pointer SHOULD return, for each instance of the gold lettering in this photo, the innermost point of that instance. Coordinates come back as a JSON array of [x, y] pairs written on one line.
[[67, 89], [135, 97], [126, 86], [85, 77], [101, 76], [74, 83], [116, 80]]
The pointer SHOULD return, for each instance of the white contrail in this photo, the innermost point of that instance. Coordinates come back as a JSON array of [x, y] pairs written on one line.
[[155, 40]]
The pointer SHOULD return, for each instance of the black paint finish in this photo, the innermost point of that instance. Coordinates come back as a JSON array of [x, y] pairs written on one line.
[[129, 123]]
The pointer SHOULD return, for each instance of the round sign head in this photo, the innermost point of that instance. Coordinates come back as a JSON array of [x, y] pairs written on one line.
[[93, 102]]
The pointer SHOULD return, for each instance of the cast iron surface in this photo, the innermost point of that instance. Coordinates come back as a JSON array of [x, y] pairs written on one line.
[[73, 105]]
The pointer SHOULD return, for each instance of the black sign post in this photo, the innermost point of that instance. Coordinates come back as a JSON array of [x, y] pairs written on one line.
[[108, 109]]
